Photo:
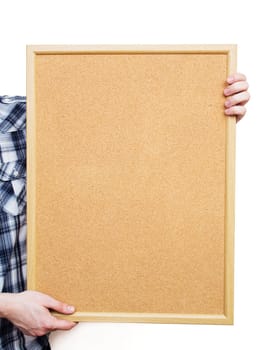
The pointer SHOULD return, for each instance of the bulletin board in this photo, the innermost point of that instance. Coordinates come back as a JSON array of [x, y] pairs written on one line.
[[130, 168]]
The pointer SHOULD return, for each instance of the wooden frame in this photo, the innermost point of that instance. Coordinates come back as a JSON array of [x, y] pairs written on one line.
[[35, 170]]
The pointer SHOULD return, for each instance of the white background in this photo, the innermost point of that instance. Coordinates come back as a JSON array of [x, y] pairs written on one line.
[[171, 22]]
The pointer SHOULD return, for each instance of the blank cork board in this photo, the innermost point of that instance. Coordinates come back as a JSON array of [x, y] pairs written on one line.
[[131, 181]]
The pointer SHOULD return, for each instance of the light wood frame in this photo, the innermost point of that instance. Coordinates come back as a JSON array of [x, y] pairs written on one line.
[[230, 51]]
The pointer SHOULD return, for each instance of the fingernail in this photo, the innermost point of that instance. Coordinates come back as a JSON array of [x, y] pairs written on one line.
[[227, 103], [70, 308], [230, 80], [226, 91]]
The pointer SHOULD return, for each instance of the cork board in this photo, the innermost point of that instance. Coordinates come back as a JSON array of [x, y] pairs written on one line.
[[131, 181]]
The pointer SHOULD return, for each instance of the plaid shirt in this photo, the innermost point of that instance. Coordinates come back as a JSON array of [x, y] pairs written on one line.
[[13, 216]]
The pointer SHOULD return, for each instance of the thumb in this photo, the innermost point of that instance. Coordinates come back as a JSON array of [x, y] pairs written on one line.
[[58, 306]]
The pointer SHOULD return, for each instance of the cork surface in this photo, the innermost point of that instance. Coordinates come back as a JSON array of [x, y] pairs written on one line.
[[130, 181]]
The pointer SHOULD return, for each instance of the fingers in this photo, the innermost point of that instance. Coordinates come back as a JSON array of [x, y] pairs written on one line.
[[233, 78], [48, 325], [29, 311], [63, 325], [236, 88], [236, 95], [240, 98], [238, 111]]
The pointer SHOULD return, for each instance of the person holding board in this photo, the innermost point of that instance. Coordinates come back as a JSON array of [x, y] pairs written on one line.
[[25, 318]]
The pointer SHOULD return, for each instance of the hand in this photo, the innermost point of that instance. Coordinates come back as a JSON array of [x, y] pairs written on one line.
[[29, 311], [236, 95]]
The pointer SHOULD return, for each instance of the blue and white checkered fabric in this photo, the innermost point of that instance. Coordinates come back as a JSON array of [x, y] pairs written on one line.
[[13, 216]]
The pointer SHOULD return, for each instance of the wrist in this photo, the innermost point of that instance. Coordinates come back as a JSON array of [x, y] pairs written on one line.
[[6, 301]]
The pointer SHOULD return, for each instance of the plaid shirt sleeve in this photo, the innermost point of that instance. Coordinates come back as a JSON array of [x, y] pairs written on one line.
[[13, 216]]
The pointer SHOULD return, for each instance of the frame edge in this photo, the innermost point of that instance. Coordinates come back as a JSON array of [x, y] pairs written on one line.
[[31, 144]]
